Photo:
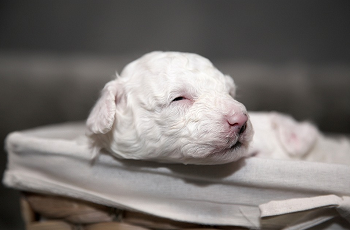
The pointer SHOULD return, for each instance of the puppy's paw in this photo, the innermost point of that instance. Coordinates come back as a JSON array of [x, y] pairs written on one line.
[[297, 138]]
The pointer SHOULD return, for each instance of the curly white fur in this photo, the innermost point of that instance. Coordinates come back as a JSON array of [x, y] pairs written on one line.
[[169, 107]]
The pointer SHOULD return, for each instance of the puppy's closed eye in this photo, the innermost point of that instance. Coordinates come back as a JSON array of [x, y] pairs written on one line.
[[179, 98], [181, 101]]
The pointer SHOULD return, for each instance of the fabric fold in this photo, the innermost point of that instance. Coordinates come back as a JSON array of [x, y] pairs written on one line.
[[312, 210]]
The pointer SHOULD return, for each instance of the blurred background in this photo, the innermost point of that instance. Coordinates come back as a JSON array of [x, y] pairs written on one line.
[[55, 57]]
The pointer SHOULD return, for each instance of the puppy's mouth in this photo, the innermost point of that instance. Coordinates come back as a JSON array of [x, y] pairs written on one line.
[[235, 146], [241, 140]]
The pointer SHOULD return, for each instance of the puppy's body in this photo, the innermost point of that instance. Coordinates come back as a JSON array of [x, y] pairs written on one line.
[[279, 136], [177, 107]]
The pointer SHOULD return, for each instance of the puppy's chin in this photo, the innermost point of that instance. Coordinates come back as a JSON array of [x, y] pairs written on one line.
[[229, 153], [222, 156]]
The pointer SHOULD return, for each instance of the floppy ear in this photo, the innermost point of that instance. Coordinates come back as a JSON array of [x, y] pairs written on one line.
[[231, 85], [297, 138], [102, 116]]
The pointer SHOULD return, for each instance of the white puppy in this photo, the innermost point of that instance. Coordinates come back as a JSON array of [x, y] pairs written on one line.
[[171, 107], [177, 107]]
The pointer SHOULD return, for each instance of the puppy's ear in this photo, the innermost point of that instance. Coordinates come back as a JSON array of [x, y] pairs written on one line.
[[102, 116], [297, 138], [231, 85]]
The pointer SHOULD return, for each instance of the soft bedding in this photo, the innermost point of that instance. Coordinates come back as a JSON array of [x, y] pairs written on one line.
[[253, 192]]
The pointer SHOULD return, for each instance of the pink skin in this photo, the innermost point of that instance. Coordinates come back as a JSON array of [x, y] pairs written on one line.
[[237, 122]]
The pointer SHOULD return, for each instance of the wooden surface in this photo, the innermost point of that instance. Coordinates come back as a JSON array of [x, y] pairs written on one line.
[[47, 212]]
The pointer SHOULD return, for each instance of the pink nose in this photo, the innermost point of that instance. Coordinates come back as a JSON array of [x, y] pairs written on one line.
[[238, 122]]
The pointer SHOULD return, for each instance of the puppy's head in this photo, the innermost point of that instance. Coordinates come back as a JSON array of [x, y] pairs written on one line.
[[171, 107]]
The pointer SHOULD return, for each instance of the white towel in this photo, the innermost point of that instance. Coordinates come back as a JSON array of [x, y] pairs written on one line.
[[55, 160]]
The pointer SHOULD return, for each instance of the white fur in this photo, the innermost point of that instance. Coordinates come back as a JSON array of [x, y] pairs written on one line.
[[279, 136], [136, 117]]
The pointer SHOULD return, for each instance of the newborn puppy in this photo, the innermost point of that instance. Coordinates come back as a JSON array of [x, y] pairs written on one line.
[[171, 107]]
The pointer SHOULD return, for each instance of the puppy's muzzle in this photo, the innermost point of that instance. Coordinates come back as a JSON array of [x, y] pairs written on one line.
[[238, 123]]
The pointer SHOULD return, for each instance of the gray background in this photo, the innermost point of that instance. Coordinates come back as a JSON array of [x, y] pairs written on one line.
[[55, 56]]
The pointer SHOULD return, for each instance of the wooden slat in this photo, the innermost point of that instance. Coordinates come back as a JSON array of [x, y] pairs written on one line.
[[49, 225], [27, 212], [113, 226]]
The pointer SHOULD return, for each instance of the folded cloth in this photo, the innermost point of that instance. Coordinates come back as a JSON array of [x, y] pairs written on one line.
[[318, 210], [57, 160]]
